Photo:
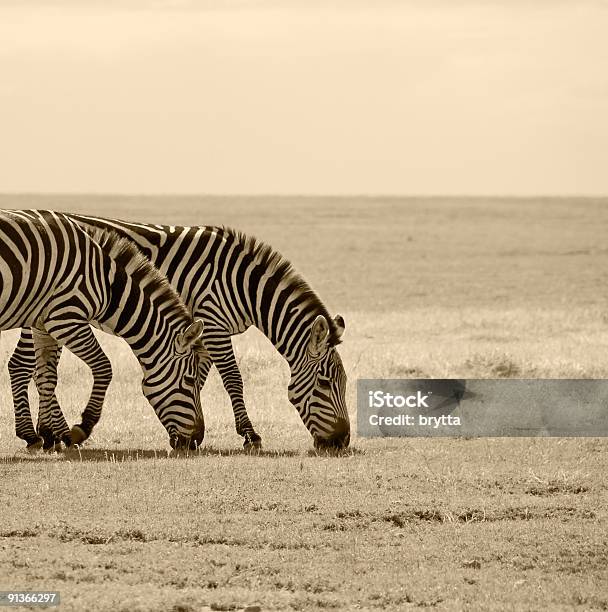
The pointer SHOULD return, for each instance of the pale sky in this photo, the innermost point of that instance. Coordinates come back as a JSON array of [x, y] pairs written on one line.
[[359, 97]]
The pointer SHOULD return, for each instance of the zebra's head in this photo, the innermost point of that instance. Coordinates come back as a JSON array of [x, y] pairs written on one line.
[[318, 385], [172, 388]]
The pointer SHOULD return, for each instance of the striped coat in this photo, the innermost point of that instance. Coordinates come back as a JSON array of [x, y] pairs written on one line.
[[57, 279]]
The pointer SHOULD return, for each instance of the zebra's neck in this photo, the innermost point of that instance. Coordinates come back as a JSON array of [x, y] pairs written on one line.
[[147, 321], [281, 304], [141, 305], [286, 322]]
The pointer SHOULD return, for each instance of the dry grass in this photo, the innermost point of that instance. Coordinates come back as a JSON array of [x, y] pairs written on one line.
[[486, 524], [393, 524]]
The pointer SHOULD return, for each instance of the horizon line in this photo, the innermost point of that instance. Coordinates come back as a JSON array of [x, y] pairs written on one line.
[[369, 195]]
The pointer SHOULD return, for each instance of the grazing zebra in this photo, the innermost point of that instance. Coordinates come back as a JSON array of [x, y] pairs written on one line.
[[232, 281], [57, 278]]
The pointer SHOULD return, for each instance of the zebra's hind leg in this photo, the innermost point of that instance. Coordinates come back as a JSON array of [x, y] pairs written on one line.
[[222, 354], [85, 346], [50, 441], [21, 369], [52, 424]]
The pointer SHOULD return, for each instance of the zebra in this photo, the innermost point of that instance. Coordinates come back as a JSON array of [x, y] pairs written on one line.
[[232, 281], [56, 278]]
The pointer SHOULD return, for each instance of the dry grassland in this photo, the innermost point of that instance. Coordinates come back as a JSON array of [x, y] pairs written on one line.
[[429, 288]]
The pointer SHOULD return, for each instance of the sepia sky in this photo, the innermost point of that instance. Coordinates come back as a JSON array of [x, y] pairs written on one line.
[[345, 97]]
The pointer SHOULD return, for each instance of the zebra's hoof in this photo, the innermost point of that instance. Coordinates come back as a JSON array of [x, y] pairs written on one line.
[[49, 446], [34, 447], [78, 434], [252, 443], [54, 448], [67, 440], [252, 448], [49, 441]]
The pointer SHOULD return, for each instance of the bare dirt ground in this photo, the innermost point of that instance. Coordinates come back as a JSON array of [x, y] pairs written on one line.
[[428, 287]]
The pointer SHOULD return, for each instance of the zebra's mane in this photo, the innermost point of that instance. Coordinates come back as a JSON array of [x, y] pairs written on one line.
[[126, 254], [282, 270]]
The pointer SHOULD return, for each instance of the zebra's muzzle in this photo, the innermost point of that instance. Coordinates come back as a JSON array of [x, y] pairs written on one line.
[[192, 442], [339, 439], [180, 443]]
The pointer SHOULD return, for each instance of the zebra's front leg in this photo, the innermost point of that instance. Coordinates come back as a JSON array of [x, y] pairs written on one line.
[[204, 365], [85, 346], [52, 425], [222, 354]]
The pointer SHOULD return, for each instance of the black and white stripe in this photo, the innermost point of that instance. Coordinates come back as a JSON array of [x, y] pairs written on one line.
[[232, 281], [58, 278]]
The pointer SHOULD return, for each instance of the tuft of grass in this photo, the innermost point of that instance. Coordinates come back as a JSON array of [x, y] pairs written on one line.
[[557, 488], [494, 365]]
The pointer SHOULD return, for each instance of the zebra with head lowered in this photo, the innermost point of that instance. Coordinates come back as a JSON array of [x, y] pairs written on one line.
[[57, 278], [232, 281]]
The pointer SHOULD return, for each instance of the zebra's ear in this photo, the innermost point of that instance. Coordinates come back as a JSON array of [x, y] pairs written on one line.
[[340, 325], [185, 340], [319, 333]]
